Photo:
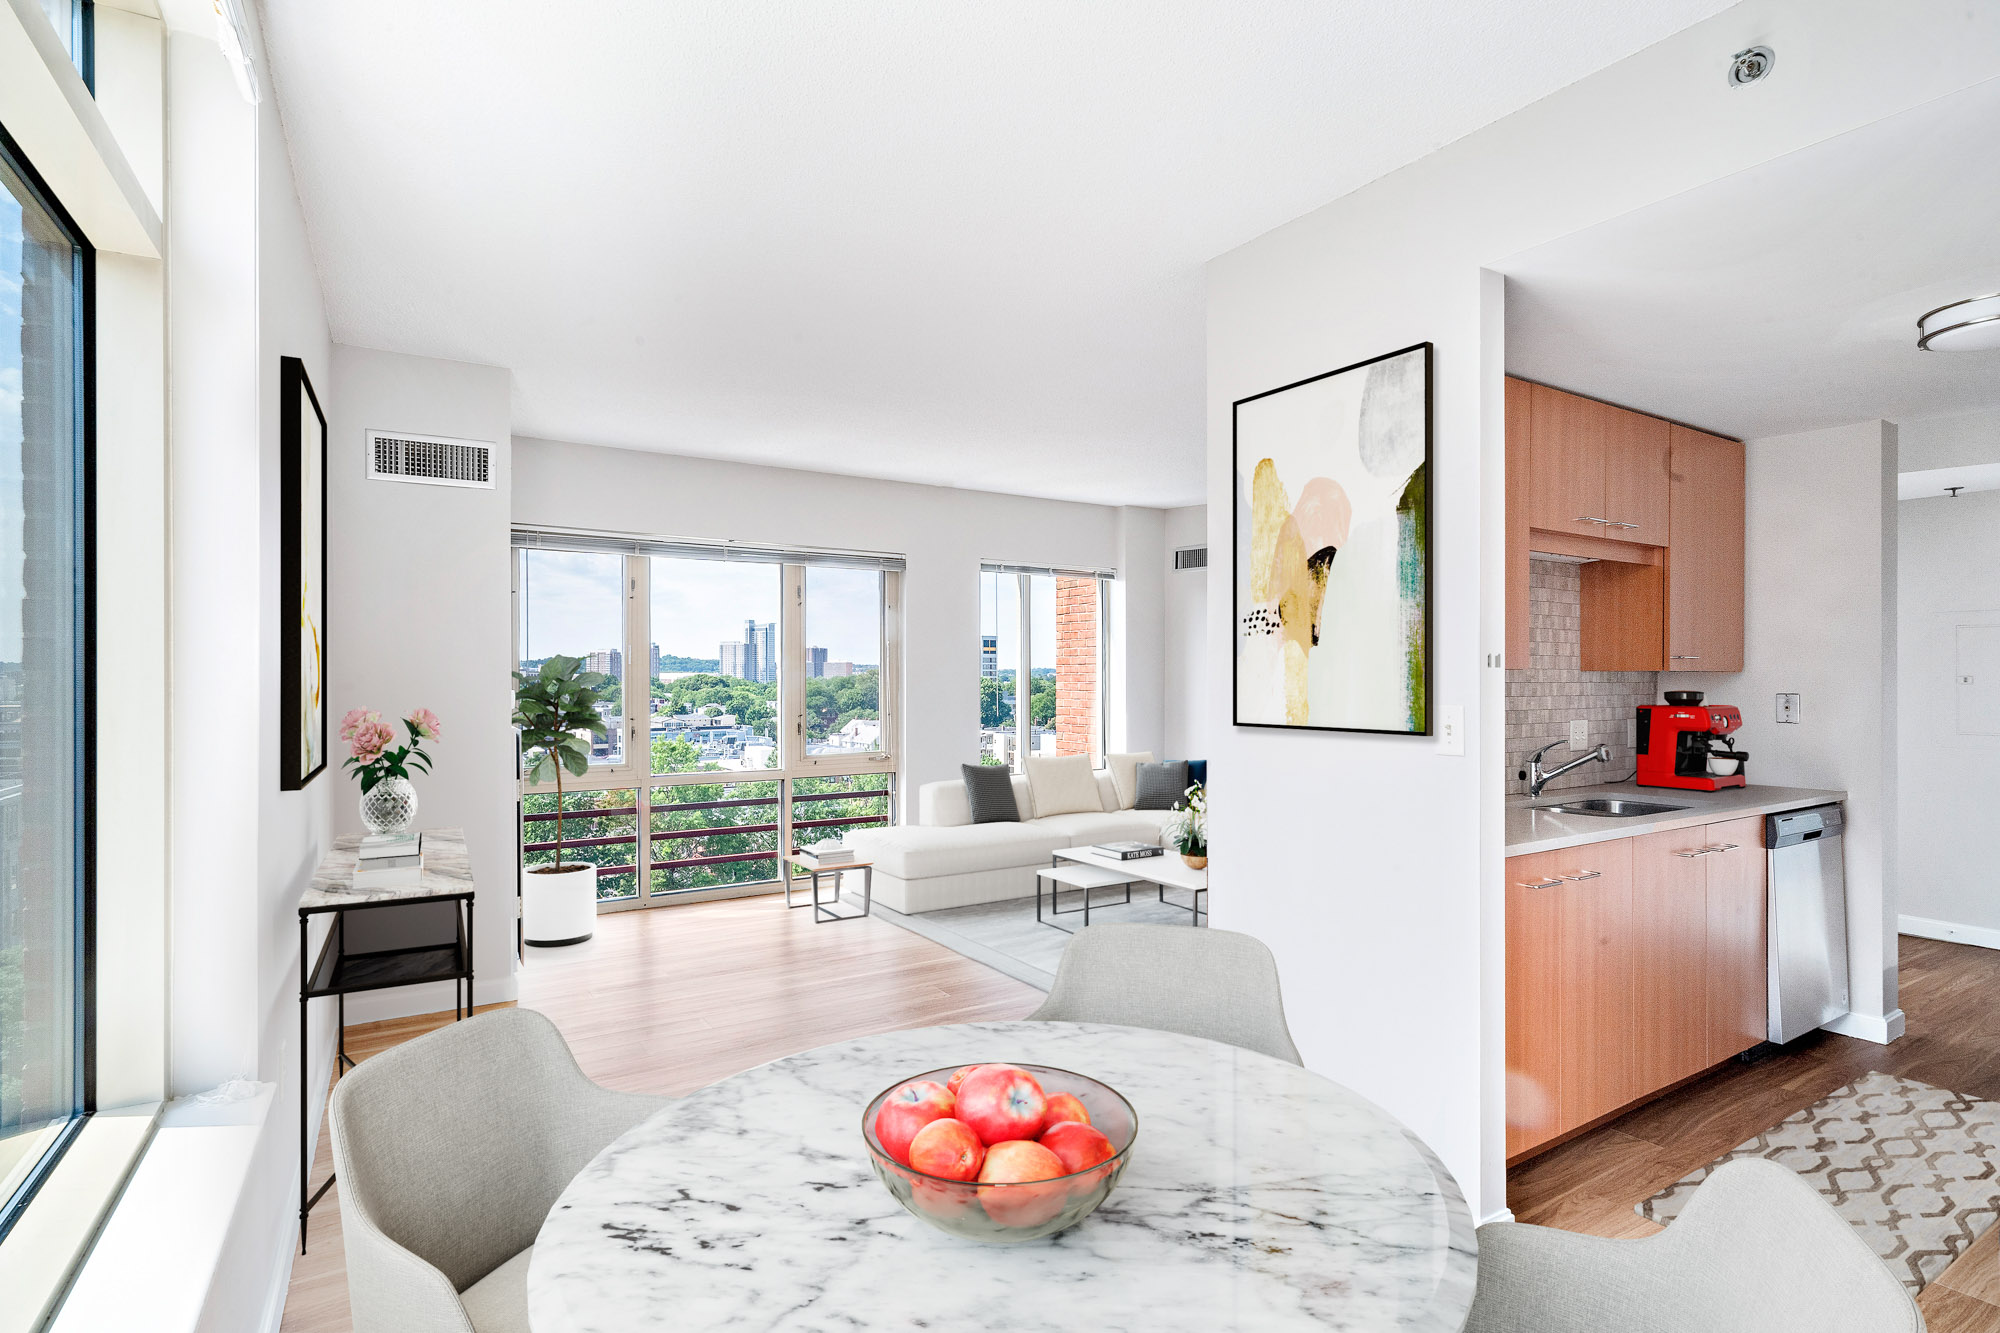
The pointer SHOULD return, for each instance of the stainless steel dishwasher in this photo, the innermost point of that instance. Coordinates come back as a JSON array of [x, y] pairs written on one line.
[[1806, 920]]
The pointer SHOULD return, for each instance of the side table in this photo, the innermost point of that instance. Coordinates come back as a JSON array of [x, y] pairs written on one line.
[[826, 911]]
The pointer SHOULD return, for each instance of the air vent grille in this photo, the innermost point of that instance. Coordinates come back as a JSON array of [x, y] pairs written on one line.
[[1191, 557], [434, 460]]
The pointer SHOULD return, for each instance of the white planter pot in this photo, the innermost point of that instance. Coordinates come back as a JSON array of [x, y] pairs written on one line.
[[559, 908]]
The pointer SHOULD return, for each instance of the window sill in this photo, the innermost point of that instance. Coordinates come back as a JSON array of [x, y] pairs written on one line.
[[53, 1236]]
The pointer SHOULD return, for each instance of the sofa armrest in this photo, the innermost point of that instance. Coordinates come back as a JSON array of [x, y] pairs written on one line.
[[943, 804]]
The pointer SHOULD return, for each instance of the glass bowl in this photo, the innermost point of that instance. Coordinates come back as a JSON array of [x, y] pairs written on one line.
[[1011, 1213]]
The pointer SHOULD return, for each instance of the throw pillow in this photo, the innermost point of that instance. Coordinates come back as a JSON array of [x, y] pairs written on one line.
[[1124, 770], [1198, 772], [989, 791], [1064, 786], [1161, 786]]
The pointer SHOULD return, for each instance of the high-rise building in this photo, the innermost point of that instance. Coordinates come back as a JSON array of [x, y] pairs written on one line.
[[755, 658], [606, 663], [989, 656], [731, 660], [653, 662], [840, 668], [815, 662]]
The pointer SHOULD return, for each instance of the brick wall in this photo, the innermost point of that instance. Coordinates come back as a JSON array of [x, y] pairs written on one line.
[[1554, 690], [1076, 666]]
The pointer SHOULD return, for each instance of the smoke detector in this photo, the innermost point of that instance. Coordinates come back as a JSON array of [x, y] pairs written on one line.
[[1751, 65]]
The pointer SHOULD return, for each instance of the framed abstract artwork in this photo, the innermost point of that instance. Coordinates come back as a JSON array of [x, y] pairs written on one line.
[[1332, 593], [301, 578]]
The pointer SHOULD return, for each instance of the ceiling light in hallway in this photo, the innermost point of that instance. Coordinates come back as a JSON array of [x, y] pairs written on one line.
[[1971, 325]]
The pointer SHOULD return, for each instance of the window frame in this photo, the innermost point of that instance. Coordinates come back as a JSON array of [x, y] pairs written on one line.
[[1025, 576], [83, 682]]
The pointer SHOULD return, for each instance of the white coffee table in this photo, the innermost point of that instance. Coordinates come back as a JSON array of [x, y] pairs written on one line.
[[1166, 871]]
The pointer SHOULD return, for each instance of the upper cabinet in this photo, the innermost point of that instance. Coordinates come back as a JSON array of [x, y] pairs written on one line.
[[1596, 470], [1704, 552]]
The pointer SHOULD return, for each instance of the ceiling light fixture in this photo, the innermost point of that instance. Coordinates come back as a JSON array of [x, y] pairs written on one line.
[[1971, 325]]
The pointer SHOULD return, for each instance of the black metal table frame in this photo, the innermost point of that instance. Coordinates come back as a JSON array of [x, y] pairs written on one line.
[[823, 911], [1055, 895], [330, 961]]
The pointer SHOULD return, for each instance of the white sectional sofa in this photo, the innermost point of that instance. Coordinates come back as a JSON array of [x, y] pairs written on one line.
[[946, 860]]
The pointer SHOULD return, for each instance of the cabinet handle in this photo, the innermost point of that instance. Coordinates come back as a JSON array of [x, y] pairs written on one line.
[[1726, 847], [1689, 856], [1616, 524], [1545, 884], [1585, 518], [1687, 657], [1588, 874]]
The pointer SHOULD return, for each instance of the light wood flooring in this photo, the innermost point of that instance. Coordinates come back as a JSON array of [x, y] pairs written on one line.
[[1951, 1000], [671, 999]]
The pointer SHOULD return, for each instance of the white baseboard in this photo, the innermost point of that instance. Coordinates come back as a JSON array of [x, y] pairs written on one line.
[[1878, 1028], [430, 998], [1986, 937]]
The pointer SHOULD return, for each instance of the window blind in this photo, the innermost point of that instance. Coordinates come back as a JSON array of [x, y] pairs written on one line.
[[548, 539], [989, 567]]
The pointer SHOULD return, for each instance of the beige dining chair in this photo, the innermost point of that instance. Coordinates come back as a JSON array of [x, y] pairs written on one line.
[[1200, 983], [1754, 1251], [450, 1150]]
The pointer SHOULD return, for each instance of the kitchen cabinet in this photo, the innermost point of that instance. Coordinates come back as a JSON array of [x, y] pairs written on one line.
[[1632, 965], [1596, 470], [1704, 600]]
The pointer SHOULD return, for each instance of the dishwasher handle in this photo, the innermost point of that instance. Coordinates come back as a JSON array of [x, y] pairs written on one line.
[[1793, 827]]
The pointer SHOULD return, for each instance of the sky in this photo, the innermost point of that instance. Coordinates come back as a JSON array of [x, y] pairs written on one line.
[[1000, 612], [571, 603]]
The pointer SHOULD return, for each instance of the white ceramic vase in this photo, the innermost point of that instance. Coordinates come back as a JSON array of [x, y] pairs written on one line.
[[389, 807], [559, 908]]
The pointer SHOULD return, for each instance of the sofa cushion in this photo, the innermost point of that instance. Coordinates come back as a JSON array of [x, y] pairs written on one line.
[[1161, 786], [919, 851], [989, 793], [943, 804], [1107, 826], [1063, 785], [1124, 771], [1198, 772]]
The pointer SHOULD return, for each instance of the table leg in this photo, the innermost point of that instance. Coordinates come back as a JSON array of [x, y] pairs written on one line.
[[469, 904], [868, 890]]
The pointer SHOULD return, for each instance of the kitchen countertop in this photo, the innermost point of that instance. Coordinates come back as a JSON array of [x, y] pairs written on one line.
[[1535, 830]]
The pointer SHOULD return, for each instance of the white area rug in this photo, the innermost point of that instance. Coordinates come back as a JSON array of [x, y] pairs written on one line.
[[1005, 935], [1915, 1169]]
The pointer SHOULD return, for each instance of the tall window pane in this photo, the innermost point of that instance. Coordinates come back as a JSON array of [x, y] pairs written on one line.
[[999, 665], [714, 665], [41, 715], [572, 604], [843, 660]]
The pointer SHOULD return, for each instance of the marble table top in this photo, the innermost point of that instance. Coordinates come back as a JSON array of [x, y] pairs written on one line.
[[1259, 1196], [447, 871]]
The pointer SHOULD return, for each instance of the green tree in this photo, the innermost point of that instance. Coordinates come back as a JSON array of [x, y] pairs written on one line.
[[996, 702], [554, 710], [1042, 701]]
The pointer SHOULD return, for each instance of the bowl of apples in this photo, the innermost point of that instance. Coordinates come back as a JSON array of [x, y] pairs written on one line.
[[1000, 1153]]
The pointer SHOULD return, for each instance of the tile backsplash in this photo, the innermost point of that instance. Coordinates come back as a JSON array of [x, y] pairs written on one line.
[[1554, 690]]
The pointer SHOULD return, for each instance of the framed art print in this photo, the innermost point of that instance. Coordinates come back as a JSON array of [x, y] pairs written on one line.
[[301, 578], [1332, 550]]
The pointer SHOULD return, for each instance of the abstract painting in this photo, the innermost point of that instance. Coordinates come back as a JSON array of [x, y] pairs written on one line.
[[1332, 549], [301, 578]]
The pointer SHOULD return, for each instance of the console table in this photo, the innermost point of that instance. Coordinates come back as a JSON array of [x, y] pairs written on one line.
[[339, 971]]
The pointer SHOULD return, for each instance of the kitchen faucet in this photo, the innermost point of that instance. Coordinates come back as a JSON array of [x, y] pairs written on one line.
[[1538, 777]]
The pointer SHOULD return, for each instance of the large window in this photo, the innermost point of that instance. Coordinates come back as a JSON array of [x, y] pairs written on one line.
[[1041, 663], [757, 705], [44, 571]]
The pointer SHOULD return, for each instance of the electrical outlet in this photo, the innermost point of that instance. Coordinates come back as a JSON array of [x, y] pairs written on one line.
[[1788, 708], [1579, 735], [1451, 729]]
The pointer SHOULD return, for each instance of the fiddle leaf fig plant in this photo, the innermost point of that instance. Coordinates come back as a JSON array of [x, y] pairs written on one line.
[[554, 710]]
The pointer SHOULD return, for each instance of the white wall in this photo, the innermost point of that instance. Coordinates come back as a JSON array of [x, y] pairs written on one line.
[[1185, 636], [944, 534], [420, 615], [1136, 700], [1819, 619], [1389, 944], [1948, 575]]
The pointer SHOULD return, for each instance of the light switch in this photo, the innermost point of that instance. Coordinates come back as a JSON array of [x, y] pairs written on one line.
[[1579, 735], [1451, 729], [1788, 707]]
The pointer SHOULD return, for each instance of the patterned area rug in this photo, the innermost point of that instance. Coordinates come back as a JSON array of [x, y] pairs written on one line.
[[1913, 1167]]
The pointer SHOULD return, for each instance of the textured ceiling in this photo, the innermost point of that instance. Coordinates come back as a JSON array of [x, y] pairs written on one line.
[[940, 242]]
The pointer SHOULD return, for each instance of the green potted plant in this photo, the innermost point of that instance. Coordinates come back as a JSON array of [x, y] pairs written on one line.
[[554, 711], [1188, 829]]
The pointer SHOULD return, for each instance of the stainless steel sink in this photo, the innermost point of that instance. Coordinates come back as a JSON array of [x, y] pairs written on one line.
[[1608, 808]]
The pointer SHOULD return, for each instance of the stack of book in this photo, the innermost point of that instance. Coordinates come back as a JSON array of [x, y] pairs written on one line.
[[389, 861], [1128, 851], [826, 856]]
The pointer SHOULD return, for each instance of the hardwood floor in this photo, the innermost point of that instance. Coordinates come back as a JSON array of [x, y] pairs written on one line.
[[1951, 999], [672, 999]]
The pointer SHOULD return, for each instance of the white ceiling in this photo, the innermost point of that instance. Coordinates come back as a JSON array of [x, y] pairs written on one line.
[[943, 242], [1784, 298]]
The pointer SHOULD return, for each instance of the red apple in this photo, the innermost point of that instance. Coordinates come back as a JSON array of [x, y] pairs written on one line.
[[1079, 1147], [1009, 1187], [1001, 1103], [947, 1148], [963, 1070], [1064, 1106], [907, 1110]]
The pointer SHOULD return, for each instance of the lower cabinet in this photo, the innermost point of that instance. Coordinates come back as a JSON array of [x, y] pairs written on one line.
[[1631, 965]]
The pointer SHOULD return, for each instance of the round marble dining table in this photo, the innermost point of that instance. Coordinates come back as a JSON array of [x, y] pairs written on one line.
[[1259, 1196]]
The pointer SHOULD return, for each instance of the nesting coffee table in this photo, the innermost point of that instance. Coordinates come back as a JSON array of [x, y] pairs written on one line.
[[1086, 869]]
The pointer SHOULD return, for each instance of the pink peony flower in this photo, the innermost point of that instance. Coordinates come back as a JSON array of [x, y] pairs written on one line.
[[427, 724], [356, 719], [370, 738]]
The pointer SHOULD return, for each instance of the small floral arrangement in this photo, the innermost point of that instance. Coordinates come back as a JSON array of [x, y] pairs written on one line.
[[369, 739], [1188, 828]]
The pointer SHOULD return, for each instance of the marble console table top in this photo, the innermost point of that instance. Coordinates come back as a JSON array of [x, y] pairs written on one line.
[[1260, 1196], [447, 870]]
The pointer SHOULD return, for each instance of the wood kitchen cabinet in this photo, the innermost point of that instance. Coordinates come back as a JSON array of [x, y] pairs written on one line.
[[1596, 470], [1632, 966], [1704, 596]]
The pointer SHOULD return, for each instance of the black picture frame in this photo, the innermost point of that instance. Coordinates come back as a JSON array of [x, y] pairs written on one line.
[[302, 564], [1237, 512]]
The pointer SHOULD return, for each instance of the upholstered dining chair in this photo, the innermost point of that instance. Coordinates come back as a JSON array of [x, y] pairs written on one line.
[[1754, 1251], [450, 1150], [1200, 983]]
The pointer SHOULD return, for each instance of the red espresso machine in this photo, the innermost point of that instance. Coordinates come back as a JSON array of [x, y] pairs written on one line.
[[1686, 744]]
